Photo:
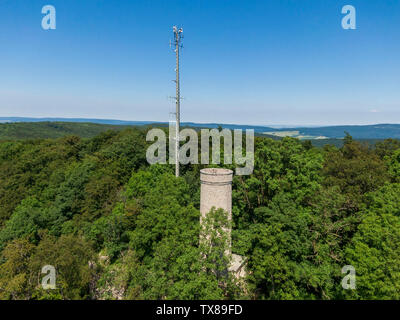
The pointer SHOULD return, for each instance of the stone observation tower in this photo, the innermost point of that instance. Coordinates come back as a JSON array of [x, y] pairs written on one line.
[[216, 191]]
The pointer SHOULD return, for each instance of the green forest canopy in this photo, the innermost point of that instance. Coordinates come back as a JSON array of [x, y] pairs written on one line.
[[115, 227]]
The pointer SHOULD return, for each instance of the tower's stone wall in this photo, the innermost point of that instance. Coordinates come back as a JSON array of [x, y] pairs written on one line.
[[216, 191]]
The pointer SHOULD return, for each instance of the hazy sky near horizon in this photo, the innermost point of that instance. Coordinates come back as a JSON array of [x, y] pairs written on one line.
[[247, 62]]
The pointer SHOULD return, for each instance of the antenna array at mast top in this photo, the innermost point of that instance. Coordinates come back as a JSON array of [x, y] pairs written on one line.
[[178, 33]]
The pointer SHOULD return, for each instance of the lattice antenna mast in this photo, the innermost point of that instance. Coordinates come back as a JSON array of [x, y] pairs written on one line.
[[178, 36]]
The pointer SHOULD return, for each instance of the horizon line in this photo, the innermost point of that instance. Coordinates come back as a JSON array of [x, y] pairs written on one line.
[[202, 123]]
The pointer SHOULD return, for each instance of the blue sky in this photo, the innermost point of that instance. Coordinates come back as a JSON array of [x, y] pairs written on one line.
[[250, 62]]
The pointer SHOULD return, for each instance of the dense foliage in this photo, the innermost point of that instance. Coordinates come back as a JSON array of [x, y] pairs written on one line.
[[115, 227]]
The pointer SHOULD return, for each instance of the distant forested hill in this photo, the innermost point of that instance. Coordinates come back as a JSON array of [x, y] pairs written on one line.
[[45, 130], [376, 131], [52, 130]]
